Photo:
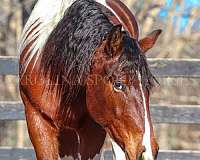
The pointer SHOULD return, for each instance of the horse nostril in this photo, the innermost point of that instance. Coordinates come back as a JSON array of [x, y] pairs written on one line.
[[143, 150], [156, 155]]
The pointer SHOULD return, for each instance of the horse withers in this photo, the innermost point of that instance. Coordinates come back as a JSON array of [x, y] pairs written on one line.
[[84, 75]]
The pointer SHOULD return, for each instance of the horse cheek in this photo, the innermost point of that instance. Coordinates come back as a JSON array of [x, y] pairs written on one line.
[[96, 104]]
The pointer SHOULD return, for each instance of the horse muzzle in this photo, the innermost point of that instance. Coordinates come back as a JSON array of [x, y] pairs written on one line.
[[147, 156], [124, 155]]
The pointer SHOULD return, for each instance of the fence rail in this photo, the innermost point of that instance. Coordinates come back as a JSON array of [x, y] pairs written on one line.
[[185, 114], [28, 154], [179, 114], [160, 67]]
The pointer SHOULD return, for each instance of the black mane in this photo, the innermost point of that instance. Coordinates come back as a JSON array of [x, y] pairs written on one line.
[[133, 60], [68, 53]]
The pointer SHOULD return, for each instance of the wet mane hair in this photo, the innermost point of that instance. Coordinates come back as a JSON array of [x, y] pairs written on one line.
[[68, 53]]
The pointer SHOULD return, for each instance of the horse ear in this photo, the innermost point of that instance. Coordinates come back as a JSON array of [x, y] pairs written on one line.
[[149, 41], [114, 40]]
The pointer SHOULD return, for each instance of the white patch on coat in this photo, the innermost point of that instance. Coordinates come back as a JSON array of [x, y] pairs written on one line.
[[118, 152], [48, 13], [147, 155]]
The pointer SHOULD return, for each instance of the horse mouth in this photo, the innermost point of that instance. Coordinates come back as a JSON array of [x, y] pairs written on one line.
[[145, 156], [119, 154]]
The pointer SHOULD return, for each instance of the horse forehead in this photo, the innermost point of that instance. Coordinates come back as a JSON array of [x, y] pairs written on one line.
[[131, 45]]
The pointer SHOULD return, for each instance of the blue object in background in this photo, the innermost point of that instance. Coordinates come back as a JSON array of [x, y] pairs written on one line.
[[184, 18], [196, 25]]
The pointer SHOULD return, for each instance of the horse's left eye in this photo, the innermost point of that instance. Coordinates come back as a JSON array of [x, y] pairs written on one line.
[[119, 86]]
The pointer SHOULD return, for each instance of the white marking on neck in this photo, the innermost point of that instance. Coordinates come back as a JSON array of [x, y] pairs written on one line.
[[118, 152], [49, 14], [147, 155]]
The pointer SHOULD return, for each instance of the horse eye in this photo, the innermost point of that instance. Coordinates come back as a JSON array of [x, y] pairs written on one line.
[[119, 86]]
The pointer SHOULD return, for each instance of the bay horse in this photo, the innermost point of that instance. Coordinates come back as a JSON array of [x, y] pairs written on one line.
[[84, 75]]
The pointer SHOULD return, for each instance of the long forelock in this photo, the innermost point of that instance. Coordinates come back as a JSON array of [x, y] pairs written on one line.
[[133, 61]]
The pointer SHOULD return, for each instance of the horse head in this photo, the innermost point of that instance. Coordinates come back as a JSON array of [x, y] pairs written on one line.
[[118, 90]]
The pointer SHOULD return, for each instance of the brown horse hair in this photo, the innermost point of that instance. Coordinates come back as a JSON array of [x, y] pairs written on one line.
[[69, 50], [67, 56]]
